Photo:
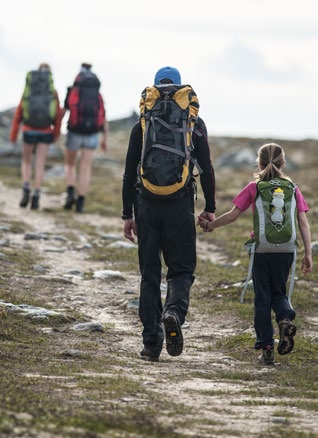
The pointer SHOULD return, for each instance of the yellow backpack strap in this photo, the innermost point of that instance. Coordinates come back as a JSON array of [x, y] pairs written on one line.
[[187, 98]]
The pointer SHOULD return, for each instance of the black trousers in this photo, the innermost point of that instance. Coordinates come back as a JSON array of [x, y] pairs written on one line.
[[270, 276], [166, 233]]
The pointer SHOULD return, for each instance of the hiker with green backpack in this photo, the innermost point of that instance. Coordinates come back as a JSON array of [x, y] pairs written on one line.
[[39, 111], [158, 205], [277, 205]]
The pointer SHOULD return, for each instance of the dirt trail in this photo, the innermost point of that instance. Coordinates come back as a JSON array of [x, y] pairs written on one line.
[[221, 404]]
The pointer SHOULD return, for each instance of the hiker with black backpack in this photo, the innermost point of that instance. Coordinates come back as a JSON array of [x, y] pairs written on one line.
[[158, 204], [277, 205], [40, 112], [86, 128]]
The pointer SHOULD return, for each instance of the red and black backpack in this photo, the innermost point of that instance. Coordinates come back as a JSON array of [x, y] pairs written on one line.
[[85, 103]]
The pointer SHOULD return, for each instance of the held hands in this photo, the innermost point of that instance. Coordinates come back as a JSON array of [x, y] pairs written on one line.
[[130, 231], [205, 221]]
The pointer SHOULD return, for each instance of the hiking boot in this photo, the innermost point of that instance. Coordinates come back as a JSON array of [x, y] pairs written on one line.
[[287, 331], [148, 356], [25, 198], [174, 338], [70, 201], [267, 356], [80, 204], [35, 202], [70, 198]]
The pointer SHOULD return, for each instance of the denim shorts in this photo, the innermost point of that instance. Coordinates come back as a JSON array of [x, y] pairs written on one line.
[[75, 141], [32, 137]]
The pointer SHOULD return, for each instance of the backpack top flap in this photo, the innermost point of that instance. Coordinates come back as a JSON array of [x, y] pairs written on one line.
[[87, 79], [274, 216], [39, 105]]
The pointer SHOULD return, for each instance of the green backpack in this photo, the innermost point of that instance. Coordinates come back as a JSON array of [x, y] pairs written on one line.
[[274, 221], [39, 105]]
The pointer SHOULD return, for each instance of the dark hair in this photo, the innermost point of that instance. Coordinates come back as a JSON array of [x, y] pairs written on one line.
[[270, 160]]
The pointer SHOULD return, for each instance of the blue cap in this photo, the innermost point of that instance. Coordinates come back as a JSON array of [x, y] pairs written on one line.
[[168, 73]]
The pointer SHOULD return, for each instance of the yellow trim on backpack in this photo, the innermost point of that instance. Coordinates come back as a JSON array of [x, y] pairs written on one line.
[[185, 98], [152, 94], [166, 190], [147, 102]]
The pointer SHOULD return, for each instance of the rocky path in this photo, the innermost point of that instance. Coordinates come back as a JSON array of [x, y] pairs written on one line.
[[213, 406]]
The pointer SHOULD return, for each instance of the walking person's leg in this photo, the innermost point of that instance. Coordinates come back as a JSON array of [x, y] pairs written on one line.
[[26, 172], [70, 177], [72, 145], [84, 177], [262, 283], [262, 301], [285, 314], [179, 251], [39, 170], [150, 303], [89, 144]]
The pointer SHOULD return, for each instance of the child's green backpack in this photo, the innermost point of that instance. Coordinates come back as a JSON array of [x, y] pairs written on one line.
[[274, 220]]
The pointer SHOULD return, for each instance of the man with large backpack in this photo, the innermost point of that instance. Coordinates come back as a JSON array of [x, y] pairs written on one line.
[[87, 119], [40, 112], [158, 204]]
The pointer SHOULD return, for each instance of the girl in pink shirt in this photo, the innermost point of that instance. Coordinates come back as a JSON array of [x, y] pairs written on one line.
[[270, 270]]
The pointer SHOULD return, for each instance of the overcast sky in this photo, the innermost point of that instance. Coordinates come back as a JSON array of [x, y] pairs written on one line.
[[252, 63]]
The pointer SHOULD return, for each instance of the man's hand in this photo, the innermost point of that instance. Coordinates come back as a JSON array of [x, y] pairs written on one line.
[[204, 218], [130, 231]]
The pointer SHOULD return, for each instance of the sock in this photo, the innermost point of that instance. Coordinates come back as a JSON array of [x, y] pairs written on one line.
[[26, 186], [37, 192]]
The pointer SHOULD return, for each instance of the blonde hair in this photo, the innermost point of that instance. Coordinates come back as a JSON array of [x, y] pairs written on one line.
[[271, 161], [44, 66]]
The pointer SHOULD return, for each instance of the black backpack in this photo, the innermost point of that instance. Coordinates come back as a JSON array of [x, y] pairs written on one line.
[[83, 103], [168, 114], [39, 105]]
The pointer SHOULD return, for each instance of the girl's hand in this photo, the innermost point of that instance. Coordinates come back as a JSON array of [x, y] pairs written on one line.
[[306, 264]]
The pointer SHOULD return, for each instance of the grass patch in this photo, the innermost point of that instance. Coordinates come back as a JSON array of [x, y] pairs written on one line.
[[104, 390]]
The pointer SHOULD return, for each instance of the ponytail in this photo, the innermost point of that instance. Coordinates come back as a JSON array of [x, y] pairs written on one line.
[[270, 160]]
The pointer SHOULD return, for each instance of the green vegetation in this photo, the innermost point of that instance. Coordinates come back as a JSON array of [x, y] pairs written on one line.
[[105, 390]]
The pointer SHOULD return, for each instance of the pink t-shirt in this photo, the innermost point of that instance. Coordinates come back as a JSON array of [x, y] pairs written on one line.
[[246, 198]]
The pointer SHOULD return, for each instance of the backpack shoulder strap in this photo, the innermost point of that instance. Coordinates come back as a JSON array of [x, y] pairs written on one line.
[[249, 273]]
